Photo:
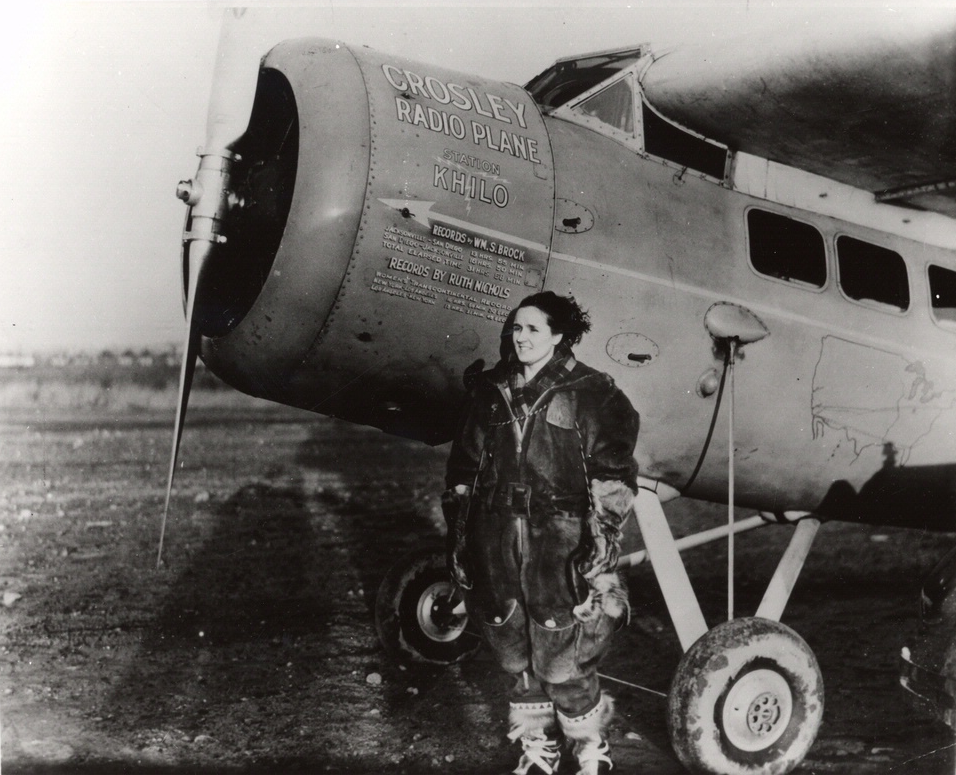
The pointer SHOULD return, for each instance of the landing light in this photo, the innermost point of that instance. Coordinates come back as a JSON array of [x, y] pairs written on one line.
[[708, 383]]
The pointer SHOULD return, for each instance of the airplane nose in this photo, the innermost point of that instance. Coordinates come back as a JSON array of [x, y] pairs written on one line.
[[298, 192], [343, 282]]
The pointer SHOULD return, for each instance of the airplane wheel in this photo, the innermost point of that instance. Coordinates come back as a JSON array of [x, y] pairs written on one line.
[[747, 698], [413, 611]]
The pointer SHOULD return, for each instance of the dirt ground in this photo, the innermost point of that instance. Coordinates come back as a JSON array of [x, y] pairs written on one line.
[[254, 649]]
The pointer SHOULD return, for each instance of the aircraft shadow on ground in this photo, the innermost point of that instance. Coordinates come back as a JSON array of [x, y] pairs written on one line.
[[262, 610]]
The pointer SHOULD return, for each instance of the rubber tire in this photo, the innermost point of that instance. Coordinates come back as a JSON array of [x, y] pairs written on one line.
[[720, 660], [397, 605]]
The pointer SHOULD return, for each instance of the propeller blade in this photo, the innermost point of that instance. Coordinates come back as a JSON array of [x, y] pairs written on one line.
[[186, 371], [230, 105], [234, 81]]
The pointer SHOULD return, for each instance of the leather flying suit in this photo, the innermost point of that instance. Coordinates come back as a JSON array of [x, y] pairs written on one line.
[[536, 486]]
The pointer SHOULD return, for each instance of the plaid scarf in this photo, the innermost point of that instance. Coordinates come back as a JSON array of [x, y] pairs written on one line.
[[524, 394]]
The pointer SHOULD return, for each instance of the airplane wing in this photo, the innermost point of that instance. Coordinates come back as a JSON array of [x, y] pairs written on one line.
[[867, 100]]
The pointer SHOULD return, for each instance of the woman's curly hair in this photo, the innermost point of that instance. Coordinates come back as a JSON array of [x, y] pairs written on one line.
[[564, 315]]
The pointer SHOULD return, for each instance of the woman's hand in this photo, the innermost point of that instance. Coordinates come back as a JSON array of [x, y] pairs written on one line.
[[454, 506]]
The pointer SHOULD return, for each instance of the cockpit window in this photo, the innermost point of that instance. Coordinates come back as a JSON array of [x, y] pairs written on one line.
[[669, 141], [595, 91], [568, 78], [613, 106]]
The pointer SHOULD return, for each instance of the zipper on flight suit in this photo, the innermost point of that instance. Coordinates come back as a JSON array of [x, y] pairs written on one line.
[[521, 431]]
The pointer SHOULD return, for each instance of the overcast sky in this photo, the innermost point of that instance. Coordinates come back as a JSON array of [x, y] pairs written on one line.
[[104, 106]]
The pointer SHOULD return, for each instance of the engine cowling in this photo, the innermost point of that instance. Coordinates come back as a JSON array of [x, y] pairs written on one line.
[[385, 217]]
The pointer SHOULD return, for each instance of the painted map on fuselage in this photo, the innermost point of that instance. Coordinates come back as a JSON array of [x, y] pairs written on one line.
[[875, 398]]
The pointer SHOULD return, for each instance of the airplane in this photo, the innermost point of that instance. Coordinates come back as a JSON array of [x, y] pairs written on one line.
[[762, 229]]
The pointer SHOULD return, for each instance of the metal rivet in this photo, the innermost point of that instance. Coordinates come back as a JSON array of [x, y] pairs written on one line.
[[497, 620], [551, 623]]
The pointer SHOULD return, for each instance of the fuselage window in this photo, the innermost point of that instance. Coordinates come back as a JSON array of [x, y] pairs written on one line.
[[870, 272], [942, 289], [786, 249], [614, 106]]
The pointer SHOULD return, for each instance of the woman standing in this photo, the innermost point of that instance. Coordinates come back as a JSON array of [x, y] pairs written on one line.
[[540, 480]]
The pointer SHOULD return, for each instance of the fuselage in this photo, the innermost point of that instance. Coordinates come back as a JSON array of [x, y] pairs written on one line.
[[419, 205], [843, 392]]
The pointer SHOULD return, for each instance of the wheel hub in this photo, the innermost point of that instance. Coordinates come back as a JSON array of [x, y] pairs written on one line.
[[764, 714], [757, 710], [434, 613]]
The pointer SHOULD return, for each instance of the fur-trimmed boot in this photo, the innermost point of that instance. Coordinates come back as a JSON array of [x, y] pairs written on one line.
[[534, 724], [587, 735]]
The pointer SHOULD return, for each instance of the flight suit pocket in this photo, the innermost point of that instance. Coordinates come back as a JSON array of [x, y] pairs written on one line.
[[593, 639], [504, 632], [553, 649], [561, 411]]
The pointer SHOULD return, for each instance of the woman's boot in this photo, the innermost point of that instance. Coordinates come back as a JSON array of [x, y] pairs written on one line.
[[534, 724], [587, 735]]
